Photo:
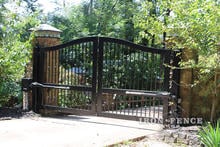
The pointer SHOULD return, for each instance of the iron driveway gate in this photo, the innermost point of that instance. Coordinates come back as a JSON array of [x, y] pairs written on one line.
[[106, 77]]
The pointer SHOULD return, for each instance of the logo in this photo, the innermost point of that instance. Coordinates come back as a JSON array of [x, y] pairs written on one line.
[[173, 121]]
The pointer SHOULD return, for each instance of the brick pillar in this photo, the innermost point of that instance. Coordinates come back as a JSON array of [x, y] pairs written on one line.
[[47, 36], [186, 80]]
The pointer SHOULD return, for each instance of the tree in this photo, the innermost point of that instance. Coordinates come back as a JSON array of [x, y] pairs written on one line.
[[199, 32], [31, 5], [193, 25], [2, 9], [15, 49], [99, 17]]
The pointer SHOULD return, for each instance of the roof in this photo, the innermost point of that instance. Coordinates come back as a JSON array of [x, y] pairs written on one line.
[[45, 27]]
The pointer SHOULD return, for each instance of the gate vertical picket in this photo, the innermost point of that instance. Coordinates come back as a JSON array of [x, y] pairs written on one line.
[[100, 68]]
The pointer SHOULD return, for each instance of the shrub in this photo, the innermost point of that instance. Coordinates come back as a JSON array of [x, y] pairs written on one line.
[[209, 135], [10, 90]]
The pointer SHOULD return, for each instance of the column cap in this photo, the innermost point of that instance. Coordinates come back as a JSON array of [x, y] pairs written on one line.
[[45, 30]]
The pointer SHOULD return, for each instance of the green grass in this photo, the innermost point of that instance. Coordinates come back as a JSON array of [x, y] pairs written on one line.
[[209, 135]]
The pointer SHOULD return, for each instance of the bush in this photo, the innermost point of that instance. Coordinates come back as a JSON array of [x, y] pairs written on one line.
[[10, 93], [209, 135]]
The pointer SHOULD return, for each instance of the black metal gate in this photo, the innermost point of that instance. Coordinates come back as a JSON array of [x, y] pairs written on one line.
[[106, 77]]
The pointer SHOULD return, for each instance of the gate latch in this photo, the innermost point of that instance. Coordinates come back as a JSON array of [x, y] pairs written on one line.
[[26, 84]]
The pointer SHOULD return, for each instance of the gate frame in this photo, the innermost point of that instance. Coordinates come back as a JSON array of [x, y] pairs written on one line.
[[171, 80]]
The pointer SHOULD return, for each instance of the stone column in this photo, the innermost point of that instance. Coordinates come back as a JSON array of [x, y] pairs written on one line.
[[47, 36], [186, 80], [217, 80]]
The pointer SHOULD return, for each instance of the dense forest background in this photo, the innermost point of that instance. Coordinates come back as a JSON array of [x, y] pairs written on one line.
[[186, 24]]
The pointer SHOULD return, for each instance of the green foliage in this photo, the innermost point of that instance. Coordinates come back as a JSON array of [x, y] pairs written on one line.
[[104, 18], [71, 25], [210, 135], [191, 25], [9, 89], [15, 47], [72, 98], [126, 71], [193, 22]]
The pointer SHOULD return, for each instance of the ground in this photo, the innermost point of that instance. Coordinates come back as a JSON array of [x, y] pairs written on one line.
[[22, 128]]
